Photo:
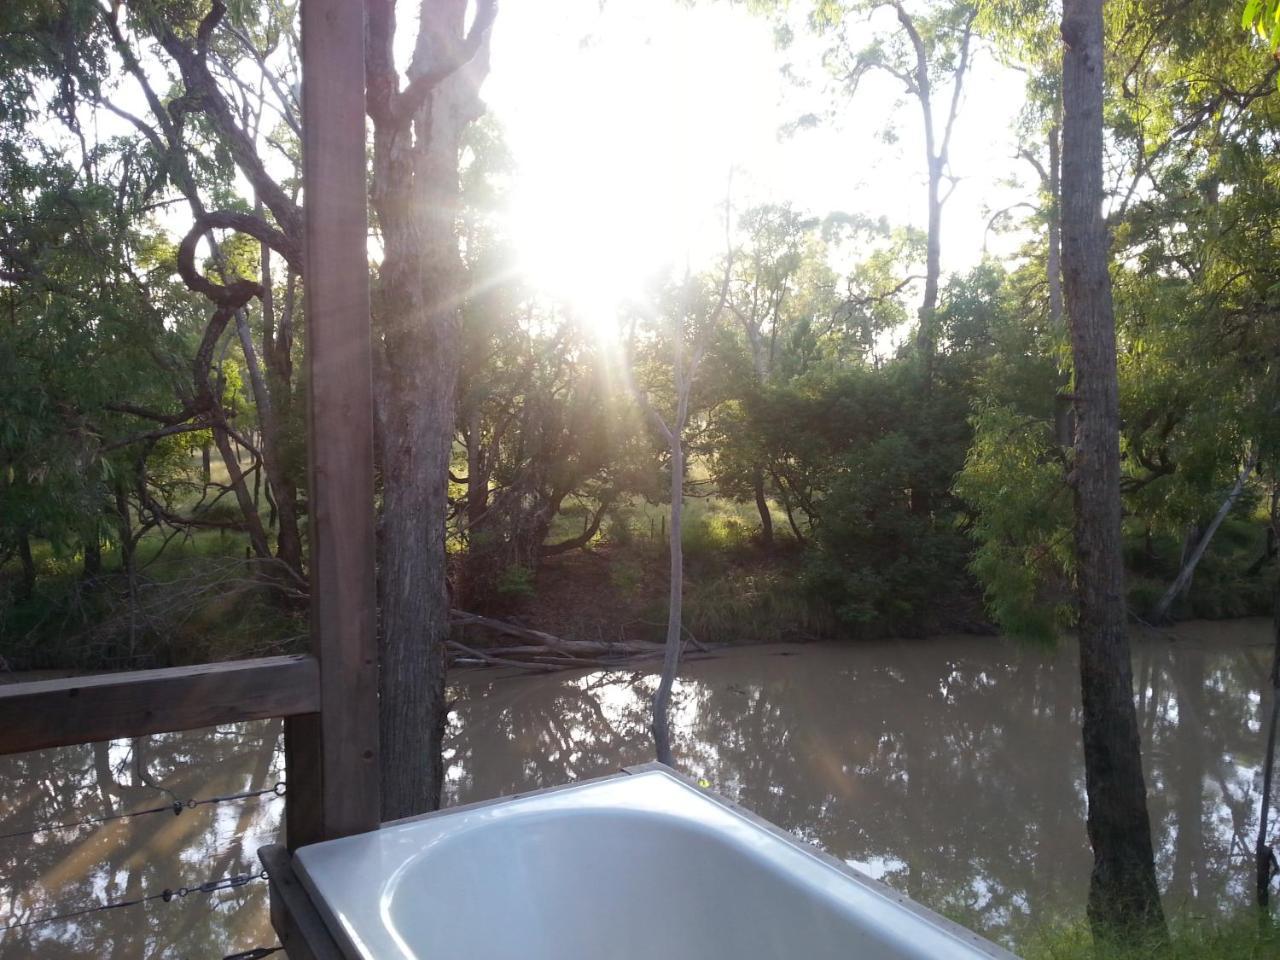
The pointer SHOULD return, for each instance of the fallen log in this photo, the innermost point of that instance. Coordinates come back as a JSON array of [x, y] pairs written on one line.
[[460, 618], [543, 651], [485, 657]]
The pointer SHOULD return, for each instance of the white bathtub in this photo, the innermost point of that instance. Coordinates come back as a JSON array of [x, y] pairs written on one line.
[[639, 866]]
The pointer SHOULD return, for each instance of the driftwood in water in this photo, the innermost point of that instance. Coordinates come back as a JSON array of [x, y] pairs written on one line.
[[544, 651]]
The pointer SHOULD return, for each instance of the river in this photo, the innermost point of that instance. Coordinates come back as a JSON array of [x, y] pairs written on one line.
[[950, 768]]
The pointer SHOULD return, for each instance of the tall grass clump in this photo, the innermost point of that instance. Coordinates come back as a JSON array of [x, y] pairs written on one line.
[[755, 607], [1241, 937]]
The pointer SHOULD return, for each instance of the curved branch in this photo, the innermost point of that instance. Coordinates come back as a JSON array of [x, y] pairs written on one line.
[[202, 94], [230, 296], [254, 226], [587, 535]]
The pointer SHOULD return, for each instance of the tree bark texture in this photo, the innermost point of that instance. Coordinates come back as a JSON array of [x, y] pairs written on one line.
[[675, 604], [1264, 857], [1063, 418], [417, 316], [1123, 899], [762, 507]]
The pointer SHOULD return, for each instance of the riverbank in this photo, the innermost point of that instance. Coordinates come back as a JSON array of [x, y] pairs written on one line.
[[739, 595]]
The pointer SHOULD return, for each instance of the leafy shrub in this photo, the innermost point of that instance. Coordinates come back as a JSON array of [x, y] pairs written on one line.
[[1022, 528], [875, 560], [515, 582], [754, 608]]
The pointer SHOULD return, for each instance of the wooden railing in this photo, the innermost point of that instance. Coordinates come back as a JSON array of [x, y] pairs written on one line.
[[59, 713], [328, 699]]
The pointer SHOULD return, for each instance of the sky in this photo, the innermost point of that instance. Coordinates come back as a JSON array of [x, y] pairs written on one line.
[[625, 119]]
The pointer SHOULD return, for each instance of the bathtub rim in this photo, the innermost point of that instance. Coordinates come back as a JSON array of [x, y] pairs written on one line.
[[322, 937]]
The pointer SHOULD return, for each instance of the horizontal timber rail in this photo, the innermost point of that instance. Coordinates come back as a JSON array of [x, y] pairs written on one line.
[[58, 713]]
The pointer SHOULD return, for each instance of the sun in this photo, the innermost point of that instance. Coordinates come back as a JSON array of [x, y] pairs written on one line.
[[578, 244], [622, 177]]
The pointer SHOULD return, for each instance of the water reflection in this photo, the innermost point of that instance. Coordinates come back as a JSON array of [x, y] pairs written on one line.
[[950, 768], [65, 870]]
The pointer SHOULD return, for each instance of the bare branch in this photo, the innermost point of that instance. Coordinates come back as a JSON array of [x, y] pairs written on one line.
[[408, 103], [957, 86]]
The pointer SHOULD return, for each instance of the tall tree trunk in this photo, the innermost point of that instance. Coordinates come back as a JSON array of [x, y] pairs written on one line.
[[1264, 857], [926, 334], [762, 507], [937, 148], [675, 604], [683, 375], [416, 195], [271, 394], [128, 562], [92, 549], [1063, 419], [1124, 901], [27, 585], [235, 477], [1053, 259], [288, 541], [477, 570], [675, 613]]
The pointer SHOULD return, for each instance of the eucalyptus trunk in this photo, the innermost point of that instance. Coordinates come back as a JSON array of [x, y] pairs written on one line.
[[1063, 419], [1264, 856], [762, 508], [417, 316], [273, 398], [1124, 900], [1265, 860], [27, 585], [675, 605]]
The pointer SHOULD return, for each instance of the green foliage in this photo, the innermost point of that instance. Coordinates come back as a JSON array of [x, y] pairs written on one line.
[[891, 481], [754, 607], [515, 582], [1263, 18], [1013, 479], [706, 535], [194, 605], [1243, 937]]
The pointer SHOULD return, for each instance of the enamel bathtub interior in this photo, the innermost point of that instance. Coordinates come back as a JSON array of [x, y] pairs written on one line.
[[628, 868]]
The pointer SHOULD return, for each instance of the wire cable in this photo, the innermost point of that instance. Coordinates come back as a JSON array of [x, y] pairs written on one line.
[[176, 808], [168, 895]]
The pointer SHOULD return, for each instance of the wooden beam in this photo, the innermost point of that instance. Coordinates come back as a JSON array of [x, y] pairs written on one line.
[[340, 772], [297, 923], [56, 713]]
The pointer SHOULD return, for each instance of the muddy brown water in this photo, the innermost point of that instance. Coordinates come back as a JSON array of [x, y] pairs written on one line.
[[950, 768]]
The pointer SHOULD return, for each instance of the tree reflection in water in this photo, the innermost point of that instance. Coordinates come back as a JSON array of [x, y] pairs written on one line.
[[950, 768], [70, 869]]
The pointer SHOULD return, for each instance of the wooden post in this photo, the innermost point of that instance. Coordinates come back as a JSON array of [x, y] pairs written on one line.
[[333, 757]]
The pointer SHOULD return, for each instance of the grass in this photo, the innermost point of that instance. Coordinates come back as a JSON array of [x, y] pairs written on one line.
[[195, 602], [1241, 937], [735, 591], [755, 606]]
